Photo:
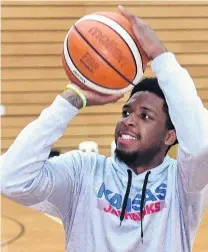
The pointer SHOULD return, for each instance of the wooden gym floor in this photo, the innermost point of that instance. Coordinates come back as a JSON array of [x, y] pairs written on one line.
[[26, 230]]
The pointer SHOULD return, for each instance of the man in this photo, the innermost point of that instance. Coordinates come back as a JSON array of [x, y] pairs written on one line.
[[139, 200]]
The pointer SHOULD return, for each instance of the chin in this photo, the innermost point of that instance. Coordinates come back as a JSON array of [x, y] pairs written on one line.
[[128, 148], [126, 156], [131, 148], [139, 155]]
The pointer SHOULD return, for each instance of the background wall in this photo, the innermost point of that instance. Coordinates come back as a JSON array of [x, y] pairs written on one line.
[[32, 72], [32, 75]]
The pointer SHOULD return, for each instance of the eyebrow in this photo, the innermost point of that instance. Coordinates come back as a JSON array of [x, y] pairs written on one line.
[[142, 107], [149, 109], [126, 106]]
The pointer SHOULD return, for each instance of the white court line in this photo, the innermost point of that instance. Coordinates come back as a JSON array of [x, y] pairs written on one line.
[[54, 219]]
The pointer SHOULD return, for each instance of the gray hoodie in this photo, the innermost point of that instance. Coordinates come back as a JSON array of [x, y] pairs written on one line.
[[87, 190]]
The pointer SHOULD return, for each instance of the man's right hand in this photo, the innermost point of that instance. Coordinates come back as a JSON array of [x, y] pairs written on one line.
[[93, 98], [146, 36]]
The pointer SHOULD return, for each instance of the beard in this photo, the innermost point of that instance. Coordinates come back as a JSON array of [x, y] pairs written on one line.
[[126, 157], [136, 158]]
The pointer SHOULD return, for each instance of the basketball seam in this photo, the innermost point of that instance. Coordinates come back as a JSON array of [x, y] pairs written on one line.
[[82, 73], [125, 41], [126, 45], [106, 61], [125, 35]]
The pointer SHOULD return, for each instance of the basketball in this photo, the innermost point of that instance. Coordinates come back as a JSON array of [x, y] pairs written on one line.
[[100, 53]]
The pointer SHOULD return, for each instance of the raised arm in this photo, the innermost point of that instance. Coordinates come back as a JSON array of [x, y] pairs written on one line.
[[28, 176], [189, 116]]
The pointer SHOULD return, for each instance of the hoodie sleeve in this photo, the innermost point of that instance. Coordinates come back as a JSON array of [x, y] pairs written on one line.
[[28, 176], [190, 119]]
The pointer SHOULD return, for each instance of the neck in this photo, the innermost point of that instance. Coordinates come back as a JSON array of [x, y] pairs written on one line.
[[144, 163]]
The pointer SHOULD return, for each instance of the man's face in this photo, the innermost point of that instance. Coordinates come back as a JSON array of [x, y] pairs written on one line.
[[142, 127]]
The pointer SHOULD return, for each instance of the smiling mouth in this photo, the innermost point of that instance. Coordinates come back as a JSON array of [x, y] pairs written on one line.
[[127, 137]]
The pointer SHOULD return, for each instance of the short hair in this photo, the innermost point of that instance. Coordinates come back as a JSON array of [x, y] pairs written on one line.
[[151, 85], [54, 153]]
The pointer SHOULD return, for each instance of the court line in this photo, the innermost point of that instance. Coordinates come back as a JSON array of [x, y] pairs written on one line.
[[54, 219], [13, 239]]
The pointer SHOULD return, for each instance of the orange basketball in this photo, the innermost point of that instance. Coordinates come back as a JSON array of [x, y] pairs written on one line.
[[100, 53]]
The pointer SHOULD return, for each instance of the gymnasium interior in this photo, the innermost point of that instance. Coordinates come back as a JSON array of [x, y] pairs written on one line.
[[32, 75]]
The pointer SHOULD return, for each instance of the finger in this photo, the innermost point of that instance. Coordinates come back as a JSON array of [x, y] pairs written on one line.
[[112, 98], [123, 11], [126, 14], [109, 99], [130, 17]]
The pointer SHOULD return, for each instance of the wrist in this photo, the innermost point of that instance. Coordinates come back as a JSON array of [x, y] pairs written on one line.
[[164, 62], [158, 53], [73, 98]]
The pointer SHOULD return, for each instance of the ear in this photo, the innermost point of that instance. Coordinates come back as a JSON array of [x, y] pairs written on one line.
[[170, 137]]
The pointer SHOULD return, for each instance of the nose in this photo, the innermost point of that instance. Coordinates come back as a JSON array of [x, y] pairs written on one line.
[[130, 120]]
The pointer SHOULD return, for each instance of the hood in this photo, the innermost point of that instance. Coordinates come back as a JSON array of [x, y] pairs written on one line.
[[121, 168]]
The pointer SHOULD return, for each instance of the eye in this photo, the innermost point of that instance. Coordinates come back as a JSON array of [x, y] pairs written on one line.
[[125, 113], [144, 116]]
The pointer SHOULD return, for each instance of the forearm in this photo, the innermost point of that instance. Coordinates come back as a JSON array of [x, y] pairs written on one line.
[[72, 98], [23, 161], [186, 110]]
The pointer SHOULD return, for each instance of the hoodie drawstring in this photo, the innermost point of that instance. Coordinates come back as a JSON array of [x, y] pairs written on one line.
[[126, 196], [143, 200]]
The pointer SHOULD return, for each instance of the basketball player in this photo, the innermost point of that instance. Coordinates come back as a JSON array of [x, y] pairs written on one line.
[[139, 200]]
